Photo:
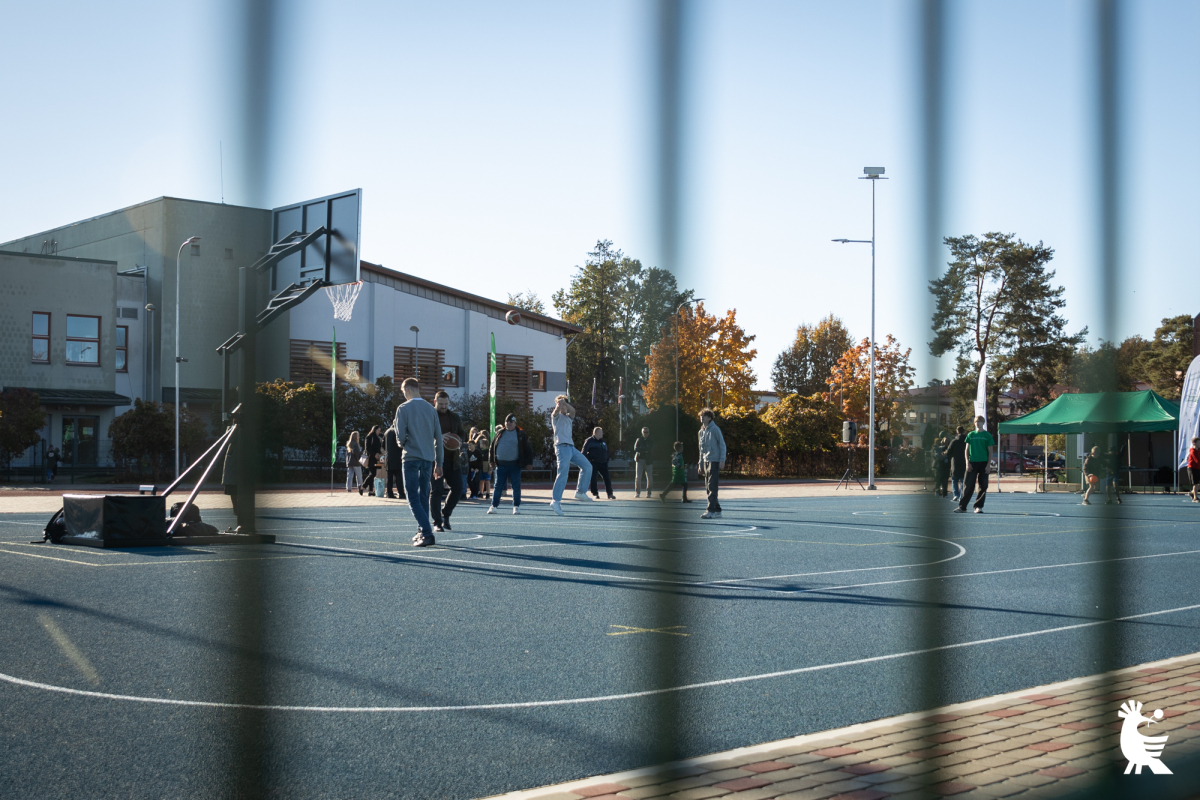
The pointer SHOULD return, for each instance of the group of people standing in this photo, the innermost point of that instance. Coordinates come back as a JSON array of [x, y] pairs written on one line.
[[431, 462], [963, 460], [592, 461]]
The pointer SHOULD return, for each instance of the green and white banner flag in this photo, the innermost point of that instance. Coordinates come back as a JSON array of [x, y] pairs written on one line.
[[492, 388], [333, 395]]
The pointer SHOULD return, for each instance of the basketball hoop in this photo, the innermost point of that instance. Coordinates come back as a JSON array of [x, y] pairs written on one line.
[[343, 296]]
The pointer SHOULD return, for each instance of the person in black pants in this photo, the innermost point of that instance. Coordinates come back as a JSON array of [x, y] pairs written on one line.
[[447, 490], [373, 446], [979, 443], [957, 452], [595, 450], [395, 469]]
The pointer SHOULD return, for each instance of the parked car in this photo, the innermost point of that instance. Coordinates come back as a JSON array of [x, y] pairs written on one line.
[[1057, 460], [1015, 462]]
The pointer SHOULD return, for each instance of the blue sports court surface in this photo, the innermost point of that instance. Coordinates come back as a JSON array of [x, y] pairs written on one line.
[[527, 650]]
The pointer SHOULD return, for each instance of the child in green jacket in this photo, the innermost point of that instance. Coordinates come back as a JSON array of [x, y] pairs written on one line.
[[678, 474]]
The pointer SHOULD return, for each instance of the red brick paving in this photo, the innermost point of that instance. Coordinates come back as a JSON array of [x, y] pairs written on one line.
[[836, 752], [600, 789], [742, 784], [771, 766], [865, 769], [1091, 705]]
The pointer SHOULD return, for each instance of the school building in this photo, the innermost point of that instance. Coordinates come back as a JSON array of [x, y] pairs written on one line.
[[89, 323]]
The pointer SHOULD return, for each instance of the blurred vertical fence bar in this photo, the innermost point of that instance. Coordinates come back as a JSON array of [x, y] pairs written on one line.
[[254, 90], [929, 671], [663, 730]]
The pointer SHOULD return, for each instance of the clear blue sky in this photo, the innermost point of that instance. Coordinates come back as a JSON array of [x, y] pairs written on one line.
[[495, 143]]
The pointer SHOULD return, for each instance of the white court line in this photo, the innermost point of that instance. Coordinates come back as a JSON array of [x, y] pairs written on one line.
[[582, 700], [989, 572]]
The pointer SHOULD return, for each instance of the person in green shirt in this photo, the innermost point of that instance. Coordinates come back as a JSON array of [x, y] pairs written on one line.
[[979, 442]]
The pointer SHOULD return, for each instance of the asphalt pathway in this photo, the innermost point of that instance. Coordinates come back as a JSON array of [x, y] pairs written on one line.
[[527, 650]]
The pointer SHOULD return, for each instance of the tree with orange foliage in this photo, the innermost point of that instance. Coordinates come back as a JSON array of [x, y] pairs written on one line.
[[850, 381], [714, 354]]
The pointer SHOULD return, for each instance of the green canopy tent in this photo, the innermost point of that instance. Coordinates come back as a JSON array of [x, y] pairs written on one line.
[[1100, 412]]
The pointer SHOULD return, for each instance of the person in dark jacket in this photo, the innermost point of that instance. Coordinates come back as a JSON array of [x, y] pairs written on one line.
[[373, 447], [595, 450], [643, 449], [957, 451], [395, 466], [941, 467], [447, 490], [510, 452]]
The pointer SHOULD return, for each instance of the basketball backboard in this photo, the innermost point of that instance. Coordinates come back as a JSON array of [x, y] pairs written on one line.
[[333, 258]]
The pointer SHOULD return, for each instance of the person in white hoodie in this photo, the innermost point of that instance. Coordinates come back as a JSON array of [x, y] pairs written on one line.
[[712, 459], [562, 418]]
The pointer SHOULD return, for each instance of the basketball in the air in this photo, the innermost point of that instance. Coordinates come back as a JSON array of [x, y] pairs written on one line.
[[513, 317], [451, 441]]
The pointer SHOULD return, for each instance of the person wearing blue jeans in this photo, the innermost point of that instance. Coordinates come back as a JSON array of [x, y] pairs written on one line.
[[957, 451], [509, 454], [419, 432], [562, 419]]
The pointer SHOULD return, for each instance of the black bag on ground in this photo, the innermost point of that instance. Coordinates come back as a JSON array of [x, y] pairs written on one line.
[[196, 528], [192, 515], [55, 529]]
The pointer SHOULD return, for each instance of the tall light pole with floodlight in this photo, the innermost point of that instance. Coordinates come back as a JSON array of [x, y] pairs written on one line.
[[416, 351], [677, 310], [192, 240], [621, 398], [872, 174]]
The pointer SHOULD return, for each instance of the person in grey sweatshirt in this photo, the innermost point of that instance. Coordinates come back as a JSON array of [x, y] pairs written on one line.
[[712, 459], [420, 434]]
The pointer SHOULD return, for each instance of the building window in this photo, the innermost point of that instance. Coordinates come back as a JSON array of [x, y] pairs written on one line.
[[426, 365], [309, 362], [945, 419], [122, 348], [537, 380], [912, 417], [514, 378], [41, 338], [83, 340], [449, 377]]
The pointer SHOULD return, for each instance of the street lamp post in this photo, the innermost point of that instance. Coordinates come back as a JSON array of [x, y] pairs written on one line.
[[192, 240], [621, 398], [872, 174], [677, 310], [416, 351]]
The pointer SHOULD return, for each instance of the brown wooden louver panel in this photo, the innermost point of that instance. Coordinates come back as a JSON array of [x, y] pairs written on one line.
[[514, 378], [309, 362], [425, 365]]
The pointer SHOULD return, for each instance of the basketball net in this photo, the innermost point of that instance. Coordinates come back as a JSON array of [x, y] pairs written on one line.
[[343, 296]]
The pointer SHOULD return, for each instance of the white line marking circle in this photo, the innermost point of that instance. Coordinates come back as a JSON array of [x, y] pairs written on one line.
[[576, 700]]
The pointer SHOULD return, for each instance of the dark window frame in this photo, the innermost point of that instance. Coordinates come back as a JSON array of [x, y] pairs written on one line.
[[445, 384], [35, 336], [99, 334], [122, 349], [536, 383]]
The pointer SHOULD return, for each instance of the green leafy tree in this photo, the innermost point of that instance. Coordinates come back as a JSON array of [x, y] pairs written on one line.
[[145, 436], [996, 301], [527, 301], [617, 302], [746, 433], [805, 366], [804, 423], [21, 421], [1107, 368], [1165, 362]]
